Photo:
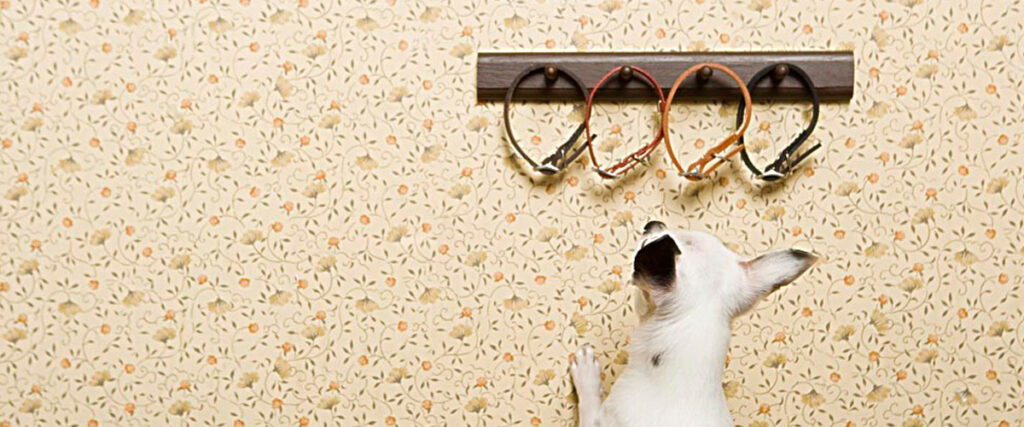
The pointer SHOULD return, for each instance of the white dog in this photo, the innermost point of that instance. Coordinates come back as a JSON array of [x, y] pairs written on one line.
[[692, 286]]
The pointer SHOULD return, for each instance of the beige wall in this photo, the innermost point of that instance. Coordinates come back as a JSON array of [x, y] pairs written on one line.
[[289, 212]]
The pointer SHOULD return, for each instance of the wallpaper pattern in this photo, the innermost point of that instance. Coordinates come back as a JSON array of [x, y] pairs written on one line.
[[255, 212]]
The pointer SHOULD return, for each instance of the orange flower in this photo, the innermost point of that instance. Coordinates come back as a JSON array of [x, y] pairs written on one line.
[[1003, 139], [835, 377], [131, 126], [443, 250], [630, 196], [741, 203], [277, 226], [481, 382], [402, 326], [286, 347], [549, 325], [573, 181], [540, 279], [321, 34], [1003, 279], [508, 357], [598, 238], [724, 38], [427, 405], [901, 375], [303, 284], [426, 365], [962, 170], [390, 281], [147, 251], [65, 363], [129, 368], [661, 174], [898, 235], [780, 337], [873, 178], [211, 360], [918, 410], [510, 218], [254, 327], [104, 329], [933, 339], [962, 28], [499, 276], [550, 44], [276, 403], [363, 219], [467, 312], [764, 409], [961, 313], [254, 47], [426, 227], [214, 220], [333, 242], [304, 421], [807, 312], [849, 280], [129, 408], [660, 33], [873, 356], [582, 302], [254, 191], [990, 374], [403, 189], [243, 282]]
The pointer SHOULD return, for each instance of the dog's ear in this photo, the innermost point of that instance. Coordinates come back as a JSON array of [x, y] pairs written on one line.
[[771, 271], [655, 263]]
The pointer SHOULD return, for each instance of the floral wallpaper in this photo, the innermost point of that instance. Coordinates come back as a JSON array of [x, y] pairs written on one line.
[[251, 212]]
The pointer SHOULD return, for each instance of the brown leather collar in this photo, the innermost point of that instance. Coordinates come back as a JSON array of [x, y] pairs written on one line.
[[565, 154], [700, 169], [625, 73]]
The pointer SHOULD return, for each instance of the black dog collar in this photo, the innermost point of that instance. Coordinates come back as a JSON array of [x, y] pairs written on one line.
[[565, 154], [785, 162]]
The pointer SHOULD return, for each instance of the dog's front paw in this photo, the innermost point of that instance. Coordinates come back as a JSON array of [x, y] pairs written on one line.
[[586, 373]]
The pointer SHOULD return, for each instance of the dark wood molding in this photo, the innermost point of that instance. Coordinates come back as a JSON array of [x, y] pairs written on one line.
[[832, 72]]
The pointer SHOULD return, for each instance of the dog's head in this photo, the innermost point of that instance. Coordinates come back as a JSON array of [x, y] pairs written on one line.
[[678, 270]]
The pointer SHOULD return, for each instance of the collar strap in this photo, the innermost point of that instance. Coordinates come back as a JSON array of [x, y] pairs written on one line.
[[714, 157], [565, 154], [785, 162], [625, 73]]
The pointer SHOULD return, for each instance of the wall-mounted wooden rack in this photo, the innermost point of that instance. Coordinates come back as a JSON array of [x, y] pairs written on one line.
[[832, 73]]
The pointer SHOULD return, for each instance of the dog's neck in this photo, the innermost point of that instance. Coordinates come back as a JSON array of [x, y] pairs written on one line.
[[685, 352]]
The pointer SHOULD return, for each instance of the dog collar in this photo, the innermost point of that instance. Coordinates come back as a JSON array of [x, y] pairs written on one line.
[[565, 154], [625, 73], [785, 162], [712, 158]]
